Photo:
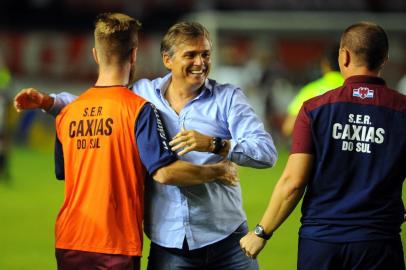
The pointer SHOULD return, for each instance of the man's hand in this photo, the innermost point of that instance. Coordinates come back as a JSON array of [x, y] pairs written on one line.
[[252, 245], [191, 140], [230, 176], [30, 98]]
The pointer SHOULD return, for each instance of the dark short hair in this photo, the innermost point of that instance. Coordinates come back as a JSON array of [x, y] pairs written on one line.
[[117, 34], [369, 42], [181, 32]]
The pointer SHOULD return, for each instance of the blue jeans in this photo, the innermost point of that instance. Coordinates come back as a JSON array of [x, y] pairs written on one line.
[[223, 255]]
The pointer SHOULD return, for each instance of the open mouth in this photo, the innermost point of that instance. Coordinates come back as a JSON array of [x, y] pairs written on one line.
[[199, 72], [196, 71]]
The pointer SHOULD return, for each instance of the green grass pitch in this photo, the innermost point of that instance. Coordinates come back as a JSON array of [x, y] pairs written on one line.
[[30, 202]]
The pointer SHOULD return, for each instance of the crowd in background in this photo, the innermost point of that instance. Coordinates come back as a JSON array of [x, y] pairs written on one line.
[[269, 71], [41, 12], [269, 67]]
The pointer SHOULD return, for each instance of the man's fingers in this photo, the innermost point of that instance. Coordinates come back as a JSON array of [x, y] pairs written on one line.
[[173, 141], [179, 146], [18, 101], [229, 181], [181, 133], [177, 139], [19, 96], [189, 147], [17, 106], [184, 151], [247, 253], [27, 98], [186, 145], [233, 183]]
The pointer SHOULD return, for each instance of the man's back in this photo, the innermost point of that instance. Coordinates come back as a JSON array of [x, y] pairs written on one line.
[[359, 136], [103, 206]]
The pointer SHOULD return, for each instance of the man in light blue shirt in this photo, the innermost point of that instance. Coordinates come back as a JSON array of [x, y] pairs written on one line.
[[199, 226]]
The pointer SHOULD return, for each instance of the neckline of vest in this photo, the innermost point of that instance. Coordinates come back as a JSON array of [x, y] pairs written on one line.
[[109, 86]]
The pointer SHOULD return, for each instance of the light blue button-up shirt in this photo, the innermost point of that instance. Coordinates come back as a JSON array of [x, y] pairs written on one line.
[[205, 213]]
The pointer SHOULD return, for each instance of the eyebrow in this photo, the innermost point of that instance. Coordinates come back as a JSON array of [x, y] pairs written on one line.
[[194, 51]]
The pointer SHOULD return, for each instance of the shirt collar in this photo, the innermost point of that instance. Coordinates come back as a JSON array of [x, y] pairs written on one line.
[[364, 79], [163, 85], [208, 86]]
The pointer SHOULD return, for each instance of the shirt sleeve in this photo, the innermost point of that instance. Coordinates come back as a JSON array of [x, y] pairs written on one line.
[[302, 141], [251, 145], [60, 101], [59, 161], [152, 139]]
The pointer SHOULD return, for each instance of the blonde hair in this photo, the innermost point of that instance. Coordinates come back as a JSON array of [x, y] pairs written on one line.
[[116, 34]]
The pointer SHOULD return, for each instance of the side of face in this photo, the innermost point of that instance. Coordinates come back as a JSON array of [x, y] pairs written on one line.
[[190, 63], [133, 61]]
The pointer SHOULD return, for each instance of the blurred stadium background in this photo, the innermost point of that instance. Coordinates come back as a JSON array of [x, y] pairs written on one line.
[[268, 47]]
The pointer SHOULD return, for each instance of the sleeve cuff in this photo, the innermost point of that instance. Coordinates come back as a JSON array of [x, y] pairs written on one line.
[[55, 108], [233, 148], [162, 163]]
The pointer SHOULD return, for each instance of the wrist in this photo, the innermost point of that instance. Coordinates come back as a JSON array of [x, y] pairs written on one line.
[[217, 145], [260, 232], [214, 171], [211, 144], [226, 148], [47, 102]]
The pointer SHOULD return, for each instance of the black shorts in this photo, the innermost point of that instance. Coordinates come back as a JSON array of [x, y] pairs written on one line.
[[366, 255], [82, 260]]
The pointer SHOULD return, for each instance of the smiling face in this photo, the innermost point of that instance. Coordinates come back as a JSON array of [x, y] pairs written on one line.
[[189, 63]]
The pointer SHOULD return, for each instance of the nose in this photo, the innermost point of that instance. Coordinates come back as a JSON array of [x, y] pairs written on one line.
[[198, 60]]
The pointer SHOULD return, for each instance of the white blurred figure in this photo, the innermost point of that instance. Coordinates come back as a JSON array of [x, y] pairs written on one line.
[[402, 85]]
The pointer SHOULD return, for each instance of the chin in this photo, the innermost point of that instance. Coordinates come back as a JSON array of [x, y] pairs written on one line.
[[198, 84]]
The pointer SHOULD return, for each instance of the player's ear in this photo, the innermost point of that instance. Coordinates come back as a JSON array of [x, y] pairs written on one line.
[[94, 52], [167, 60], [133, 55], [347, 58], [384, 62]]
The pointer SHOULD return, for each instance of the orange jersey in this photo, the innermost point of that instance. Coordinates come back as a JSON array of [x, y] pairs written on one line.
[[104, 176]]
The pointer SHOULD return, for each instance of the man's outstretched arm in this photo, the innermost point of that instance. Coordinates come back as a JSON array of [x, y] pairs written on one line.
[[286, 195], [31, 98]]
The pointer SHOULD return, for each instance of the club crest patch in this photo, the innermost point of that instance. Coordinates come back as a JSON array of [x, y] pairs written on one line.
[[363, 92]]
